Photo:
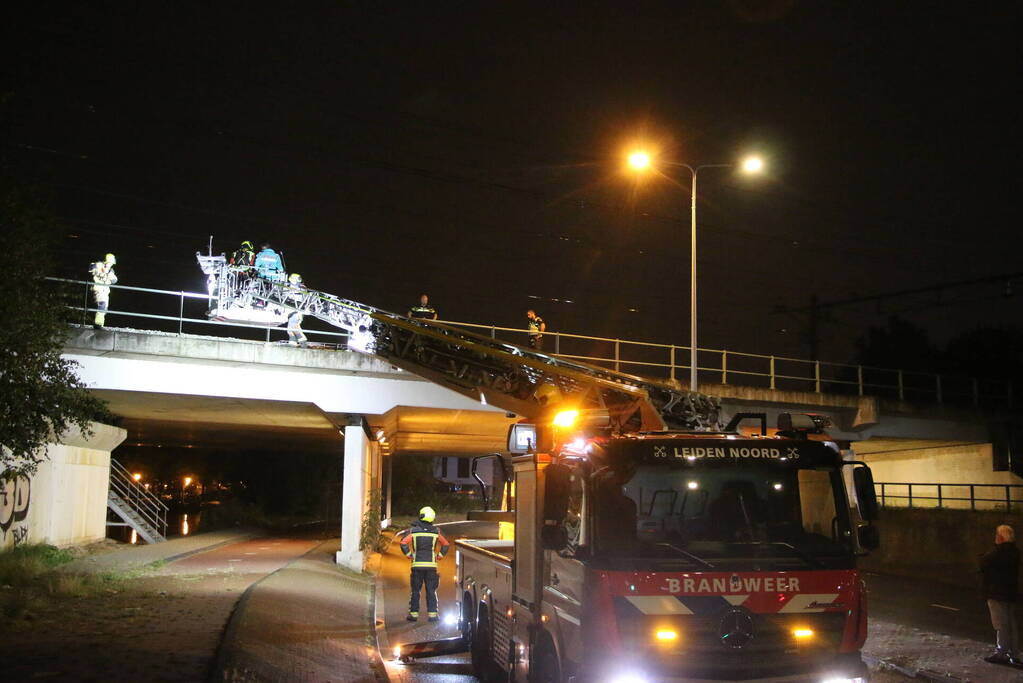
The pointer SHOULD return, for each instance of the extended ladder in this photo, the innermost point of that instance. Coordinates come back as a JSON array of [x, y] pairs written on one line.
[[514, 378]]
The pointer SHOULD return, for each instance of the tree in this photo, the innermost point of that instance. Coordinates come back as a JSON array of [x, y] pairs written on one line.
[[40, 393]]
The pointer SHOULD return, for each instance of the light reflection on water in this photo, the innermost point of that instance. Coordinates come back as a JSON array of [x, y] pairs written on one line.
[[178, 524]]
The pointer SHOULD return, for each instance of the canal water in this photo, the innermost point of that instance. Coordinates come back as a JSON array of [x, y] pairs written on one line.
[[178, 524]]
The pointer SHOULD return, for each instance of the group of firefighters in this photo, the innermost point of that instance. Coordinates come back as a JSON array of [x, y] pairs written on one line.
[[268, 265]]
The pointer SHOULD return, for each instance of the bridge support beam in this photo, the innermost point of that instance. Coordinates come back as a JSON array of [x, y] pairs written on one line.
[[361, 463]]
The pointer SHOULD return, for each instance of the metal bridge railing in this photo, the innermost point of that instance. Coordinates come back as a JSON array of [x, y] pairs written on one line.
[[183, 313], [179, 312], [950, 496]]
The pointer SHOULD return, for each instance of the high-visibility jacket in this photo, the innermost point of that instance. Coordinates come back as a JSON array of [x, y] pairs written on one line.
[[421, 543], [268, 263], [103, 273]]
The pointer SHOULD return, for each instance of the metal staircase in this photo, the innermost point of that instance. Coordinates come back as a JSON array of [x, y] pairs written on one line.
[[511, 377], [135, 506]]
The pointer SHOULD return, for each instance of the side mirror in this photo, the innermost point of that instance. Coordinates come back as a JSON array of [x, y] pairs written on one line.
[[869, 537], [866, 496], [553, 537], [521, 438]]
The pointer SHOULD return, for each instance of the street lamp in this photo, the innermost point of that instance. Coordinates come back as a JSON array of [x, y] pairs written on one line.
[[640, 160]]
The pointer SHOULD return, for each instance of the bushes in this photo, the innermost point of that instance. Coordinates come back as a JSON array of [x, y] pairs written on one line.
[[25, 563]]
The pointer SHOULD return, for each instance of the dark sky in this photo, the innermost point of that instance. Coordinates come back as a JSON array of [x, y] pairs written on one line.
[[473, 150]]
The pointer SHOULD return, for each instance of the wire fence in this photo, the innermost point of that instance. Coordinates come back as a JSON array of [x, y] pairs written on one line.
[[1005, 497], [179, 312]]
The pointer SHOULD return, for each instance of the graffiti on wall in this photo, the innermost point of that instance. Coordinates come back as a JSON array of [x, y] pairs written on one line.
[[15, 498]]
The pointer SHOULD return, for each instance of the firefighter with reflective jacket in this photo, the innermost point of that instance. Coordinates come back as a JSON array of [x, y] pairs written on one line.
[[244, 257], [296, 292], [421, 544], [103, 275]]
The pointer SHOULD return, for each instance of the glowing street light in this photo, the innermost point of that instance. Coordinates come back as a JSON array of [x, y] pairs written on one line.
[[641, 161], [137, 476], [753, 164], [188, 481]]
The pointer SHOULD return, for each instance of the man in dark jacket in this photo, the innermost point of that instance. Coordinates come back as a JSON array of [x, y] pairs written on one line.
[[1000, 571], [420, 544]]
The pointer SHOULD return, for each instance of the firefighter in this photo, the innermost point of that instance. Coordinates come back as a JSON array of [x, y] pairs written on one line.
[[103, 275], [244, 257], [424, 310], [420, 544], [296, 337], [536, 329], [268, 264]]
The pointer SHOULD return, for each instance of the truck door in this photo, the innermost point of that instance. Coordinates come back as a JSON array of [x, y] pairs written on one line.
[[563, 577]]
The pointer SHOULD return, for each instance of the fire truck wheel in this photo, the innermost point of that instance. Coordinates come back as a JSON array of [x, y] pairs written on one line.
[[547, 668], [479, 648], [466, 624]]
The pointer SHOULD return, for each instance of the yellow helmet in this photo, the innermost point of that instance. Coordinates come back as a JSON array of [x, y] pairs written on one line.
[[111, 259], [427, 514], [295, 278]]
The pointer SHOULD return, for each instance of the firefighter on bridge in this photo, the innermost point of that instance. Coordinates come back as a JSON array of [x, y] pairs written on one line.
[[103, 275], [420, 544]]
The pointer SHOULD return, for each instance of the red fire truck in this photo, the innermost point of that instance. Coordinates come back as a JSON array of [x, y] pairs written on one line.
[[669, 555]]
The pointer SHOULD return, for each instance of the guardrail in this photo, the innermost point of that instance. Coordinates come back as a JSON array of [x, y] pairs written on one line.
[[664, 361], [950, 496]]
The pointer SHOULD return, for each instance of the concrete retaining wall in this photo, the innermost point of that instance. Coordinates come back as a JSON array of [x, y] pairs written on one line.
[[65, 503], [942, 545]]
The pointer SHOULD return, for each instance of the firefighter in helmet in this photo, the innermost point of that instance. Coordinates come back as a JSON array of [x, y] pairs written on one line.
[[244, 257], [421, 544], [103, 275], [296, 290]]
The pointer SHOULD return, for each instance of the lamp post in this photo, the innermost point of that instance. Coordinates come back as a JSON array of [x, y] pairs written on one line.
[[641, 161]]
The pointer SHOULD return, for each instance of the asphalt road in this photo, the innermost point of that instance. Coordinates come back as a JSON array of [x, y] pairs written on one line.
[[394, 570], [930, 606]]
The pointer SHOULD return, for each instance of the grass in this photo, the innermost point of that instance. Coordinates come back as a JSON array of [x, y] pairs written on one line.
[[30, 578]]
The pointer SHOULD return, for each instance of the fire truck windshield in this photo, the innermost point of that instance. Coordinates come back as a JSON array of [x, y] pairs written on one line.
[[724, 514]]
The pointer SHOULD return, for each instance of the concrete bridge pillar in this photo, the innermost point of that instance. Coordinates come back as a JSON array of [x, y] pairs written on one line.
[[361, 475]]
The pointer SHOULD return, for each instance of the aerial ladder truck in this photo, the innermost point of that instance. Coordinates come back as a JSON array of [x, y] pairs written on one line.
[[648, 540]]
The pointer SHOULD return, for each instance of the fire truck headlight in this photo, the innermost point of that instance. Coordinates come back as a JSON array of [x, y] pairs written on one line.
[[802, 633], [629, 677]]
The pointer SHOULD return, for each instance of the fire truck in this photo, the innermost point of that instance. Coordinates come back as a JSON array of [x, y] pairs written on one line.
[[671, 555], [639, 538]]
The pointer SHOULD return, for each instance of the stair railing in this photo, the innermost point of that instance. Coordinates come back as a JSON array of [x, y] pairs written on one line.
[[146, 504]]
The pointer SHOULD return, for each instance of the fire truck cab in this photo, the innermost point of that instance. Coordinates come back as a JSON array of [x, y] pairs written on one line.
[[671, 556]]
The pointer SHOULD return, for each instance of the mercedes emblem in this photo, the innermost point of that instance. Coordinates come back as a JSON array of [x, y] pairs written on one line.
[[736, 628]]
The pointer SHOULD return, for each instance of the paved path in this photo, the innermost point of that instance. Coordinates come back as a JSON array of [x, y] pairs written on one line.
[[165, 624], [307, 621], [139, 556]]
